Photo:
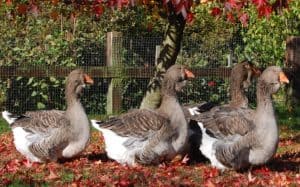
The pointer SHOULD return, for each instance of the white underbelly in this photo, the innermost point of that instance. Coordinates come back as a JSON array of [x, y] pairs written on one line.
[[23, 140], [114, 146]]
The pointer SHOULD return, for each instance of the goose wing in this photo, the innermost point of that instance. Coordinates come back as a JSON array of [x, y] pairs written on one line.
[[50, 145], [235, 154], [136, 123], [41, 121], [226, 121]]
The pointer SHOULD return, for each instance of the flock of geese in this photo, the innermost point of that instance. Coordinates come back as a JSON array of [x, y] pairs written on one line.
[[230, 136]]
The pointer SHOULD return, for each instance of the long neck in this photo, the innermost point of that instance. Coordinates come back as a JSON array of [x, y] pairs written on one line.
[[169, 101], [264, 100], [76, 114], [172, 108], [71, 97], [237, 95], [266, 132]]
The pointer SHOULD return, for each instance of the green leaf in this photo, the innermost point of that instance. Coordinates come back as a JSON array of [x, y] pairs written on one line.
[[30, 80], [44, 85], [45, 96], [52, 79], [41, 105], [34, 93]]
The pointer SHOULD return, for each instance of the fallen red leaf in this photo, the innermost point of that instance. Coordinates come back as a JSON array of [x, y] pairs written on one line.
[[13, 165], [52, 176]]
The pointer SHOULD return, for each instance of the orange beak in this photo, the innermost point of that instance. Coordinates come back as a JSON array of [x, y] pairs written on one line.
[[189, 74], [88, 79], [283, 78]]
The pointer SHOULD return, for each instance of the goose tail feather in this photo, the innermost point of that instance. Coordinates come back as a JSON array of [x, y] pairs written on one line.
[[96, 124], [9, 117]]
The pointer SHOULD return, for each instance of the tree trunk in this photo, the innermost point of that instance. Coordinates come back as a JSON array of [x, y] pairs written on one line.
[[167, 57], [293, 60]]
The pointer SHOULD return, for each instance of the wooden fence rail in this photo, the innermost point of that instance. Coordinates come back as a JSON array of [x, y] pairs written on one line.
[[101, 71]]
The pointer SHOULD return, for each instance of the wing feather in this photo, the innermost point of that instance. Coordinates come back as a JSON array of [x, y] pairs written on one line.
[[41, 121], [226, 121], [136, 123]]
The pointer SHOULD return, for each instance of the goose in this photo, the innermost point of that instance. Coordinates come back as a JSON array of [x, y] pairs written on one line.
[[231, 146], [49, 135], [145, 136], [240, 80]]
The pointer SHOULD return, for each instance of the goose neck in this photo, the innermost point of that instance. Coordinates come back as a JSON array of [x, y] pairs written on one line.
[[237, 95], [264, 99]]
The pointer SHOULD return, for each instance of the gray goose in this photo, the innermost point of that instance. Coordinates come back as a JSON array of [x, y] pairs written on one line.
[[240, 80], [144, 136], [53, 134], [230, 146]]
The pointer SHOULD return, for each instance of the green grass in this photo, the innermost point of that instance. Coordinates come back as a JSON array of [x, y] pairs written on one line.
[[286, 118], [4, 127], [67, 176]]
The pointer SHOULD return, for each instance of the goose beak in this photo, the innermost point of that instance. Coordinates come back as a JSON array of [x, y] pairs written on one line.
[[283, 78], [88, 79], [189, 74]]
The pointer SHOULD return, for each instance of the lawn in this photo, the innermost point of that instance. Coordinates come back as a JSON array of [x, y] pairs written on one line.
[[93, 168]]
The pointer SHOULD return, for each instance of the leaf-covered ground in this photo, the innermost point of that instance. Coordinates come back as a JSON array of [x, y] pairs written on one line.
[[92, 168]]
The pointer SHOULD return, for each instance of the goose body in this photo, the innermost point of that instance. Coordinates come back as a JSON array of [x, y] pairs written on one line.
[[52, 134], [244, 141], [149, 136]]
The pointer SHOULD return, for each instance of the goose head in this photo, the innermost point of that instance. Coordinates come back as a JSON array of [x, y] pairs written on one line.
[[250, 71], [243, 72], [271, 79], [76, 82], [175, 79]]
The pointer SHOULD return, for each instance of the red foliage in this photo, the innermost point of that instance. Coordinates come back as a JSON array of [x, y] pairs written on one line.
[[98, 10], [264, 11], [22, 8], [92, 168], [8, 2], [244, 18], [190, 17], [259, 3], [216, 11], [211, 83], [230, 17]]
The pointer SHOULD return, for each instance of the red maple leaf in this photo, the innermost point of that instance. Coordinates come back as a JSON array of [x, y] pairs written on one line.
[[231, 4], [190, 17], [230, 17], [22, 8], [244, 18], [264, 11], [215, 11], [13, 165], [8, 2], [98, 9], [259, 3], [211, 83]]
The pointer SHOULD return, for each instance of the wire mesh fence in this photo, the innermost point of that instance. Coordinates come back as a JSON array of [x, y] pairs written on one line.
[[37, 89]]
